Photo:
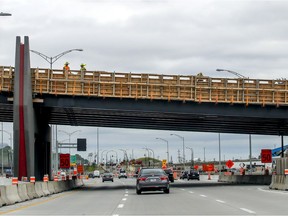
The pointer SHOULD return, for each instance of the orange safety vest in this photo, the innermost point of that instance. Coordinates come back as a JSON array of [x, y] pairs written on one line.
[[66, 68]]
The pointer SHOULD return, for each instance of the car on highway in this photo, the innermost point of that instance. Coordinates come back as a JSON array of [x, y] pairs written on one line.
[[193, 174], [169, 173], [184, 174], [107, 177], [152, 179], [96, 174], [122, 174]]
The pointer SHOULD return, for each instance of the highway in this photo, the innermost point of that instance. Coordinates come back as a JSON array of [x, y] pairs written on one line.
[[204, 197]]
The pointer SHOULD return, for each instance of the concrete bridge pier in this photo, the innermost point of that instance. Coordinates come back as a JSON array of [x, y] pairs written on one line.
[[31, 133]]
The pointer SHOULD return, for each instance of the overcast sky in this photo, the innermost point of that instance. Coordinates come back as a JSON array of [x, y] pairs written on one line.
[[155, 36]]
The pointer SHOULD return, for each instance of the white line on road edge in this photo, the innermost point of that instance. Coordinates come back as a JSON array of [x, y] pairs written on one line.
[[203, 195], [120, 205], [191, 192], [247, 210], [221, 201], [124, 199], [272, 191]]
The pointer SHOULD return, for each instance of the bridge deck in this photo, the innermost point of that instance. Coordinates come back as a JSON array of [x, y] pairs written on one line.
[[152, 86]]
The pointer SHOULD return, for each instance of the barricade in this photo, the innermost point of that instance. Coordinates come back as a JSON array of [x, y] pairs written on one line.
[[31, 191], [55, 178], [24, 179], [22, 192], [51, 189], [45, 178], [14, 180], [38, 189], [4, 198], [12, 194], [57, 187], [45, 188], [32, 179]]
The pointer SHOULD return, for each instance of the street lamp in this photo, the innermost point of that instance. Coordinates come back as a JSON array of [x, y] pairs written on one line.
[[125, 154], [149, 149], [69, 134], [181, 137], [5, 14], [233, 72], [167, 149], [192, 156], [51, 60]]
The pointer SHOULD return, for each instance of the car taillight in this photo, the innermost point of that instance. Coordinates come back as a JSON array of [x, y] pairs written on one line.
[[163, 178], [142, 179]]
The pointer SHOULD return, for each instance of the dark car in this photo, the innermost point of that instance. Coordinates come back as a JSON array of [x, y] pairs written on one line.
[[107, 177], [193, 174], [184, 175], [152, 179], [169, 173]]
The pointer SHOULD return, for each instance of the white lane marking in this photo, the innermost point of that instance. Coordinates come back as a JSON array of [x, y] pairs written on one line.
[[221, 201], [120, 205], [124, 199], [126, 195], [182, 189], [126, 192], [203, 195], [115, 215], [191, 192], [247, 210]]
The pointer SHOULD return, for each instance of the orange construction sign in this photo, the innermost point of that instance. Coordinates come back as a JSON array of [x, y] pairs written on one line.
[[80, 169]]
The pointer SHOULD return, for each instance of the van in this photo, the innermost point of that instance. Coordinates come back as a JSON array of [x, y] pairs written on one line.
[[96, 174]]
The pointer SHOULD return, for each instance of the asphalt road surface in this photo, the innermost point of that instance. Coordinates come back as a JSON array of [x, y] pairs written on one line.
[[204, 197]]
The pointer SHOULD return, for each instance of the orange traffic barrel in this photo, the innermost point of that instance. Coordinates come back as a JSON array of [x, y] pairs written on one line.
[[55, 178], [45, 178], [14, 180], [25, 179], [32, 179]]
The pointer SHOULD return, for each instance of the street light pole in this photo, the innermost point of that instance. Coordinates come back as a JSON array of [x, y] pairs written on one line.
[[5, 14], [152, 153], [69, 134], [233, 72], [51, 60], [181, 137], [167, 149], [192, 156]]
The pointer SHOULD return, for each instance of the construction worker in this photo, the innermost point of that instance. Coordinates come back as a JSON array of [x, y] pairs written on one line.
[[66, 68], [82, 69]]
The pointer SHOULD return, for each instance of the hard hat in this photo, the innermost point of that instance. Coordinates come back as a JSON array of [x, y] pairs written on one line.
[[66, 63], [83, 64]]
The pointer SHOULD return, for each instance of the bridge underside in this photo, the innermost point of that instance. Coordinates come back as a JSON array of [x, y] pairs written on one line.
[[159, 115]]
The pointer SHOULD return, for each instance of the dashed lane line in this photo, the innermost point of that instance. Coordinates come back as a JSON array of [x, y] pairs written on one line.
[[124, 199], [220, 201], [202, 195], [247, 210], [120, 205]]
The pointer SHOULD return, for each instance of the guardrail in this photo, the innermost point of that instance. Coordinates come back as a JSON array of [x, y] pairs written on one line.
[[152, 86]]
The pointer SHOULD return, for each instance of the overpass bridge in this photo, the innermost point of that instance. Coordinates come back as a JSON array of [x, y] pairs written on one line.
[[33, 98], [153, 101]]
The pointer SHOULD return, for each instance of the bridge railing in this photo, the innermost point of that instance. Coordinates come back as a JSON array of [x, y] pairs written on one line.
[[152, 86]]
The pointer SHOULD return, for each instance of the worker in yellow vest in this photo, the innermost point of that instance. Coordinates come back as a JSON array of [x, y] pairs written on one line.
[[66, 68], [82, 70]]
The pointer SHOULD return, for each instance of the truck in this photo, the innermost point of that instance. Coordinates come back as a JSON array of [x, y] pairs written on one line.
[[96, 174]]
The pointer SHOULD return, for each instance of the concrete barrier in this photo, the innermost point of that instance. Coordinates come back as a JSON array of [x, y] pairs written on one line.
[[31, 191], [51, 188], [57, 187], [246, 179], [12, 194], [3, 195], [38, 189], [45, 188], [22, 192]]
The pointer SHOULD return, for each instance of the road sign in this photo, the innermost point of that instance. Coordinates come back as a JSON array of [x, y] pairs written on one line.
[[266, 156], [164, 166], [196, 167], [229, 164], [73, 160], [80, 169], [64, 161]]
